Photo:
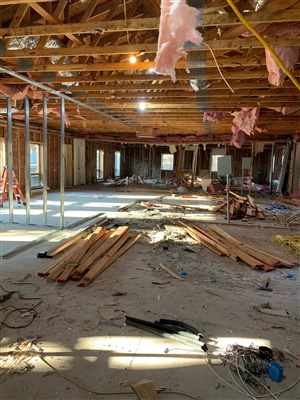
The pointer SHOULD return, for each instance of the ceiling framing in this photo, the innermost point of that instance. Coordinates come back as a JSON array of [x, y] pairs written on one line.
[[89, 61]]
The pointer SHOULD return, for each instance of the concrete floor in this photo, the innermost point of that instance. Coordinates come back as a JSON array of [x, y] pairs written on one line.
[[82, 330]]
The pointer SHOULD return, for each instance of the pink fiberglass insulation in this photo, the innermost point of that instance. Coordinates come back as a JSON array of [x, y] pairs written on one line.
[[14, 92], [261, 128], [288, 56], [178, 23], [246, 119], [57, 112], [213, 116], [285, 110], [259, 28], [238, 137]]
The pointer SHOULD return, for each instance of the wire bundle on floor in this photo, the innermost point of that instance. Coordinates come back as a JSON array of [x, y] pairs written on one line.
[[21, 310]]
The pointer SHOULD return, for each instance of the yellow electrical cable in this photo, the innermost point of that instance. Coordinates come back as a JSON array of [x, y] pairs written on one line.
[[291, 244], [266, 44]]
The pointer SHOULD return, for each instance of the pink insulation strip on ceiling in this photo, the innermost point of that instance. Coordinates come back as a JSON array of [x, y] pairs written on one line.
[[57, 112], [288, 56], [259, 28], [261, 128], [213, 116], [178, 23], [285, 110], [238, 137], [14, 92], [246, 119]]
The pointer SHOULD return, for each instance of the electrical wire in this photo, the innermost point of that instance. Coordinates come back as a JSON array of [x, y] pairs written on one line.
[[242, 380], [264, 43], [217, 65], [42, 358], [20, 310], [291, 244], [242, 392]]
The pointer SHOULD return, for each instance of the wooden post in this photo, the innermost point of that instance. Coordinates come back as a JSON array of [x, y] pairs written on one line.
[[179, 165]]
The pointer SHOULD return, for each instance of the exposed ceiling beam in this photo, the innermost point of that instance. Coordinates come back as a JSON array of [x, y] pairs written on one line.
[[229, 44], [142, 24], [10, 2]]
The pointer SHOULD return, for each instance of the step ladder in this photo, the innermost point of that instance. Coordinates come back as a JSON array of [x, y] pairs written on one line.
[[17, 192]]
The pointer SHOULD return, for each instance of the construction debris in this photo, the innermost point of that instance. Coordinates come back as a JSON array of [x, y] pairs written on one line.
[[223, 244], [128, 180], [241, 208], [90, 257], [289, 200]]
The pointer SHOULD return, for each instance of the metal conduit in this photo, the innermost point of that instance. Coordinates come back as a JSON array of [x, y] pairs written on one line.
[[45, 160], [62, 163], [61, 95], [27, 162], [9, 161], [198, 59]]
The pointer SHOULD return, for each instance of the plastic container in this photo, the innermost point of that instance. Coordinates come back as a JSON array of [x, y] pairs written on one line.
[[275, 371]]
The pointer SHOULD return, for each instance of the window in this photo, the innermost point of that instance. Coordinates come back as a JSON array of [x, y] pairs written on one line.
[[2, 154], [117, 164], [100, 164], [35, 165], [167, 162], [214, 162]]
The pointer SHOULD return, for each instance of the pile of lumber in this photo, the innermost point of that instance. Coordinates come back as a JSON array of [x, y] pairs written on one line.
[[223, 244], [240, 208], [128, 180], [91, 256]]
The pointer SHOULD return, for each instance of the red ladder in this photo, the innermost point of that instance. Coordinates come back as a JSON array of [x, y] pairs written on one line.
[[16, 188]]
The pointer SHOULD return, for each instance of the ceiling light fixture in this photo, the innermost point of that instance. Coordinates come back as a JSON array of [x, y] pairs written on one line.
[[142, 106], [132, 59]]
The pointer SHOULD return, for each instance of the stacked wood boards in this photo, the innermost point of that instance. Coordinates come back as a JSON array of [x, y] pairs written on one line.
[[89, 258], [223, 244]]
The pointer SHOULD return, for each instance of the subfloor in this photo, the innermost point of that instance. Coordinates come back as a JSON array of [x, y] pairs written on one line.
[[82, 330]]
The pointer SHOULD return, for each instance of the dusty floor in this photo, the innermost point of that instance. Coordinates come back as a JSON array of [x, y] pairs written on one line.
[[82, 330]]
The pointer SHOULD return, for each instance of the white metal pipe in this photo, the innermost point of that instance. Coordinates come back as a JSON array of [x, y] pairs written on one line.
[[27, 162], [10, 161], [45, 161], [59, 94], [62, 163]]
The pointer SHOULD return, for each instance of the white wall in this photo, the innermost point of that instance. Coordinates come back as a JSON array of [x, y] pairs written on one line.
[[79, 162]]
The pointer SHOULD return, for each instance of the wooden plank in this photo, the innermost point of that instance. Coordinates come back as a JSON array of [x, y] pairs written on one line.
[[95, 236], [87, 279], [266, 258], [56, 271], [103, 259], [241, 254], [251, 201], [289, 200], [237, 196], [45, 271], [194, 234], [164, 267], [219, 207], [213, 243], [96, 245], [65, 275], [106, 245], [260, 213]]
